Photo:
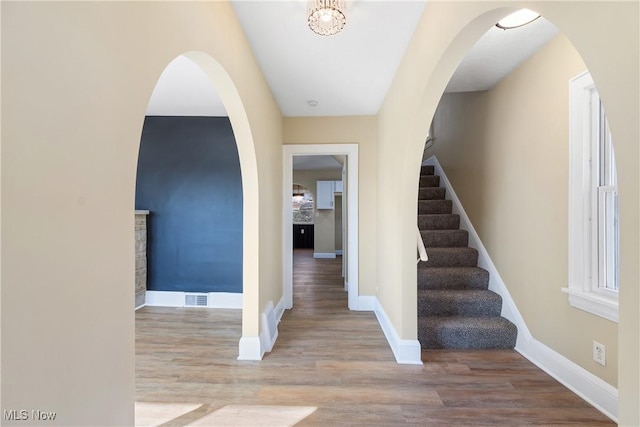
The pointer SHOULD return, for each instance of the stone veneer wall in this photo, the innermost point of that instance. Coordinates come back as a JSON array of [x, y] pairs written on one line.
[[141, 257]]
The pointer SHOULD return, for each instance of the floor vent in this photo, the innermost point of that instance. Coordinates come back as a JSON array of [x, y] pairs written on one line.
[[196, 300]]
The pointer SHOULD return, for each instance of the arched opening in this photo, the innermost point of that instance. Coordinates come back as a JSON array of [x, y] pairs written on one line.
[[197, 180], [519, 151]]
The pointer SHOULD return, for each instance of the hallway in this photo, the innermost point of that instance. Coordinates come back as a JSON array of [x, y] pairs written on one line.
[[330, 366]]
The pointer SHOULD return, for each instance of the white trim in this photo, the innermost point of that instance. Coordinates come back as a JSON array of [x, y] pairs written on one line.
[[139, 307], [586, 385], [366, 303], [225, 300], [406, 352], [351, 152], [280, 308], [339, 252], [324, 255], [593, 303], [164, 299], [582, 287], [250, 348], [591, 388], [269, 324], [141, 212]]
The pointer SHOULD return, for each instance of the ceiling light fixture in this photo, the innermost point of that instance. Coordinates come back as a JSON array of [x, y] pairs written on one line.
[[518, 19], [326, 17]]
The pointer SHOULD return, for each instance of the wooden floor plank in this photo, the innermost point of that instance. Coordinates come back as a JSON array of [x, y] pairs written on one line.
[[337, 361]]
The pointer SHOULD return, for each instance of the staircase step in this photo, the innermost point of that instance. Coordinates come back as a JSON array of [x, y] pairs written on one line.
[[434, 207], [445, 238], [451, 257], [429, 181], [466, 332], [439, 222], [431, 193], [426, 170], [452, 277], [476, 303]]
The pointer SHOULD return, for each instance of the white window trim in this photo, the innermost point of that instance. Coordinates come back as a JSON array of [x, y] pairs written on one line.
[[582, 293]]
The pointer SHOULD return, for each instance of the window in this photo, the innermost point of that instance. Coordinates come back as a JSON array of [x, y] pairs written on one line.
[[593, 205], [302, 201]]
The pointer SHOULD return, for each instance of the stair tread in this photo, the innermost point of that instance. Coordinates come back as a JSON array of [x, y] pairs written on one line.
[[468, 303], [435, 206], [452, 277], [480, 322], [460, 293], [445, 238], [445, 221], [461, 332], [451, 257]]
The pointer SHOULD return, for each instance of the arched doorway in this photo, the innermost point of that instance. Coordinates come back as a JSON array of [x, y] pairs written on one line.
[[237, 187], [593, 57]]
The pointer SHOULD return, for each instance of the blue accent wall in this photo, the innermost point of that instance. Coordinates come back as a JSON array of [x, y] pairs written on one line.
[[189, 179]]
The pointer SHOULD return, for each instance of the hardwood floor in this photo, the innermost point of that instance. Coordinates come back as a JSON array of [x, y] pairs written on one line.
[[330, 367]]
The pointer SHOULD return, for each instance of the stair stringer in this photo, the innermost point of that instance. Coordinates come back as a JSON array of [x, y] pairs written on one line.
[[588, 386]]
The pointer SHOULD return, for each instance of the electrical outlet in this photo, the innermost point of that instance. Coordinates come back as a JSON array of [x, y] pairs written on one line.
[[599, 353]]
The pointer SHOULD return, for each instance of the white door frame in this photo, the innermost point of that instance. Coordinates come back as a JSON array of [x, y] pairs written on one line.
[[351, 153]]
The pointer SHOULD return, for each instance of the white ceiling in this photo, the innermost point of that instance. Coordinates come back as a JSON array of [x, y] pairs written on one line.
[[349, 73], [184, 89], [498, 53]]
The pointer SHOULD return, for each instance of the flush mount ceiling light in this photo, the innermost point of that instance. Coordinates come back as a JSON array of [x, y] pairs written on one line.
[[326, 17], [518, 19]]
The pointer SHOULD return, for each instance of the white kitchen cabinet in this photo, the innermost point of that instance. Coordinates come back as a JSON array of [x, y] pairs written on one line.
[[324, 194]]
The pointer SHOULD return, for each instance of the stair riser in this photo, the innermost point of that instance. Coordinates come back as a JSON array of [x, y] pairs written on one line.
[[431, 193], [437, 279], [439, 222], [460, 257], [429, 181], [427, 207], [429, 305], [445, 238], [426, 170], [438, 338]]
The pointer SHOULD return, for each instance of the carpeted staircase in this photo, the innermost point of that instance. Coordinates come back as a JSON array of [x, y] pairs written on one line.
[[455, 308]]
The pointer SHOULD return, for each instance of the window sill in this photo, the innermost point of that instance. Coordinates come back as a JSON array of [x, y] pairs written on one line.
[[593, 303]]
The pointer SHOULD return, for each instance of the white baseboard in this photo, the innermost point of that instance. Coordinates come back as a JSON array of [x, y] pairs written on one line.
[[225, 300], [591, 388], [586, 385], [339, 252], [254, 348], [139, 307], [324, 255], [176, 299], [280, 308], [269, 327], [406, 352], [366, 303], [249, 348]]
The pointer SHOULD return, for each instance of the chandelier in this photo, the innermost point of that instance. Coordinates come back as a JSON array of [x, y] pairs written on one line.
[[326, 17]]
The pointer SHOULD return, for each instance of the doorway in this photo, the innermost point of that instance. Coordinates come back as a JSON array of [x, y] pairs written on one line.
[[350, 214]]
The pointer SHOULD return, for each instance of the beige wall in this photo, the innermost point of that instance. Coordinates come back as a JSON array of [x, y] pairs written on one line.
[[349, 130], [324, 221], [446, 31], [505, 152], [76, 81]]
